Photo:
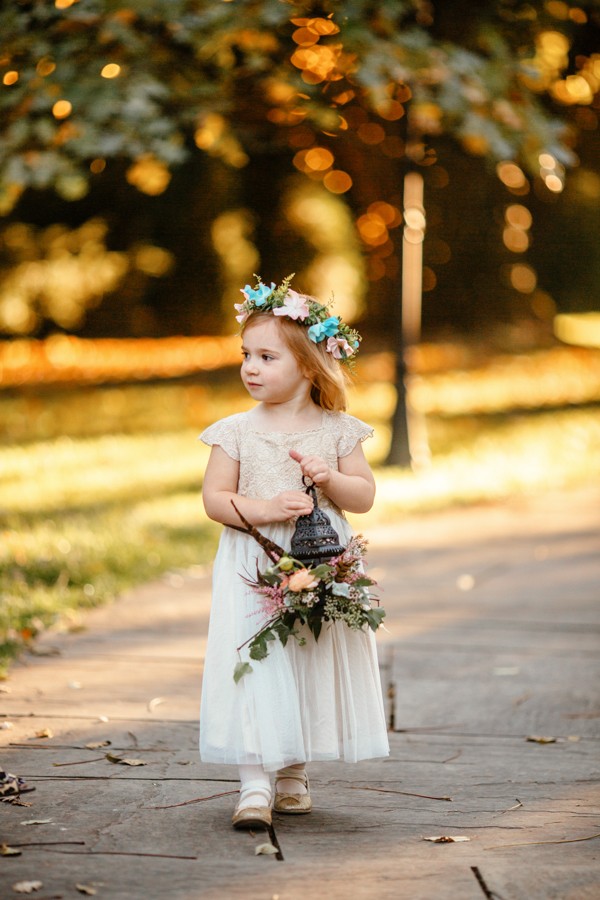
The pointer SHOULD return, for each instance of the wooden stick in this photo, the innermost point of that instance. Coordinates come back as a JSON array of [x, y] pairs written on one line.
[[392, 791], [273, 550]]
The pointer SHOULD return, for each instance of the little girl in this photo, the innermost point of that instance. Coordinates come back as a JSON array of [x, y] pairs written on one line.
[[313, 701]]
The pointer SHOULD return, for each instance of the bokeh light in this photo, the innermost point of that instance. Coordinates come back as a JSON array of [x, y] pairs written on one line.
[[111, 70], [523, 278], [337, 181], [149, 175], [62, 109], [46, 66], [511, 175]]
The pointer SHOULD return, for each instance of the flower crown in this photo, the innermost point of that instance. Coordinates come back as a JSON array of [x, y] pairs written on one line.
[[342, 341]]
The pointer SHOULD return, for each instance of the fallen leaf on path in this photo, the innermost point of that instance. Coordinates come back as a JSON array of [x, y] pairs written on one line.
[[156, 701], [27, 887], [447, 839], [37, 822], [6, 725], [265, 849], [5, 850], [95, 745], [541, 739], [103, 719], [124, 761], [44, 733], [86, 889]]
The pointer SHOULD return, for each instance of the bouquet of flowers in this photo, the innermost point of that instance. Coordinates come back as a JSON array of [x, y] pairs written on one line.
[[293, 594]]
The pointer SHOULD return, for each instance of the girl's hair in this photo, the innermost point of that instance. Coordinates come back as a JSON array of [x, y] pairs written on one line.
[[328, 380]]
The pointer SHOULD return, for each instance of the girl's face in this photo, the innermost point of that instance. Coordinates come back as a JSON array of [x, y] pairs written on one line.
[[270, 371]]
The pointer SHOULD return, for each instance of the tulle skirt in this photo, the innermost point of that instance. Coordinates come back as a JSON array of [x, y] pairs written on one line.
[[317, 701]]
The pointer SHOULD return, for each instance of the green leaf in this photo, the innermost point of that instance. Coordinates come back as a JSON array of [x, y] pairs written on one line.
[[284, 632], [258, 647], [315, 626], [241, 669], [375, 617], [322, 571]]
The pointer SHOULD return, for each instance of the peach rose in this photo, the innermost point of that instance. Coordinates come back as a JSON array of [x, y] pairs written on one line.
[[302, 580]]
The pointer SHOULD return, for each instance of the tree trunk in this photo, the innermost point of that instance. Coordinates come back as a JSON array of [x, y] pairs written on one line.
[[399, 452]]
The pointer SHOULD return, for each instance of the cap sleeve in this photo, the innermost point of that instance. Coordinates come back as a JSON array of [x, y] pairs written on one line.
[[350, 432], [224, 434]]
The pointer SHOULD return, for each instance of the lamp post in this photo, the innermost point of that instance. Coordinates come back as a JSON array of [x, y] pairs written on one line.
[[409, 444]]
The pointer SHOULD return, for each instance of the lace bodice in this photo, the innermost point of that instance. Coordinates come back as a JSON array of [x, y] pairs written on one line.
[[266, 467]]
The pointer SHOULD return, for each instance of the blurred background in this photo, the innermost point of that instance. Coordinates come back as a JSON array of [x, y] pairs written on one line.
[[432, 168]]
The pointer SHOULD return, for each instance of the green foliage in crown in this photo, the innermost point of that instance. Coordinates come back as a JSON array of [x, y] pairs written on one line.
[[282, 300]]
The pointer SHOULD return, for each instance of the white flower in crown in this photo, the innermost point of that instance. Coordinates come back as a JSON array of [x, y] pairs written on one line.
[[295, 306]]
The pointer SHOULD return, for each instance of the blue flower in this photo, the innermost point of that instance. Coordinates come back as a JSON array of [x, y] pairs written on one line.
[[259, 296], [328, 328]]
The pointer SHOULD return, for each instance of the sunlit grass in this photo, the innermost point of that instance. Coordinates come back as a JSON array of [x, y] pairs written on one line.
[[53, 565], [515, 456]]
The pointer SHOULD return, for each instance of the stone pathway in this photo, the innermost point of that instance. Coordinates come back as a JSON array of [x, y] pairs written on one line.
[[492, 640]]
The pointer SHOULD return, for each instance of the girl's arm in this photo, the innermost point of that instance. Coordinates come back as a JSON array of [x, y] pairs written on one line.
[[352, 487], [220, 488]]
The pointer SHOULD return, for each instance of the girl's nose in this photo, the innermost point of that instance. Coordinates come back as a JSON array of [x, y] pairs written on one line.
[[250, 365]]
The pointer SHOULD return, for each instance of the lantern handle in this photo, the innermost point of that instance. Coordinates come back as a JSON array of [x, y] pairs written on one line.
[[310, 488]]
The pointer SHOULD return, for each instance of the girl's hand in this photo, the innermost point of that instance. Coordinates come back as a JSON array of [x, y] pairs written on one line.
[[288, 505], [313, 467]]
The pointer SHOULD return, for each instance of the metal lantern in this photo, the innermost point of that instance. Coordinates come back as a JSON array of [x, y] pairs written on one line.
[[315, 540]]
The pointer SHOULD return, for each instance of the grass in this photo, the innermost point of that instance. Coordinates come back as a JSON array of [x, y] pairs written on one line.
[[86, 517]]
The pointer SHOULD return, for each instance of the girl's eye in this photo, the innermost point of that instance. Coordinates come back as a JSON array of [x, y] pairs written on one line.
[[266, 357]]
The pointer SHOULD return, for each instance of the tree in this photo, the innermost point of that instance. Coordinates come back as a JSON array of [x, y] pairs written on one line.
[[87, 82], [357, 90]]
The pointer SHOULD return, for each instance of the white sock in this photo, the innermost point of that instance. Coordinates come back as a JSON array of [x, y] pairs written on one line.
[[291, 785], [255, 787]]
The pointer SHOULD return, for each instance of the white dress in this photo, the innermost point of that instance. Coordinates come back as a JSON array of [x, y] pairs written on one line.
[[320, 701]]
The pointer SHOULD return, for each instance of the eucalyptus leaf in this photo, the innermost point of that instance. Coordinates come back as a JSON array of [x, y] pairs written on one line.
[[241, 669]]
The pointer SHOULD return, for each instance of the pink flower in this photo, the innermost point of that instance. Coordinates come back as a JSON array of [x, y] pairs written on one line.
[[336, 345], [243, 312], [295, 306], [302, 580], [272, 600]]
